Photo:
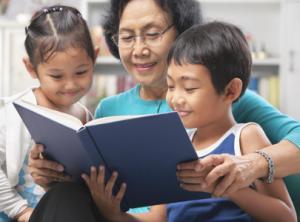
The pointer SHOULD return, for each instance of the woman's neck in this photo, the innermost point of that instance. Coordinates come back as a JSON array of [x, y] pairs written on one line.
[[153, 93]]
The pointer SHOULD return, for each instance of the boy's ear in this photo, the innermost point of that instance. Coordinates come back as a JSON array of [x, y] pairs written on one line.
[[233, 89], [30, 68], [97, 51]]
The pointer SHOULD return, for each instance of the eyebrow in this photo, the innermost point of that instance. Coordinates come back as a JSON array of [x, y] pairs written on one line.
[[147, 26], [184, 78]]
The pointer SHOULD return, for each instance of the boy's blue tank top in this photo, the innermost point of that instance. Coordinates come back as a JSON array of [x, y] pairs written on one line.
[[212, 209]]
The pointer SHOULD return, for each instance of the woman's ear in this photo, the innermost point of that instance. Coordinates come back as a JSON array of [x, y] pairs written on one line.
[[233, 89], [30, 68]]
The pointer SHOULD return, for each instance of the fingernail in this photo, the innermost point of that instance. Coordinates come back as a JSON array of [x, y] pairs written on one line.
[[198, 168], [60, 168]]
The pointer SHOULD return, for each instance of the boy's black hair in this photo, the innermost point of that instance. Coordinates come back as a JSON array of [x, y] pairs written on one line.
[[56, 28], [184, 14], [221, 47]]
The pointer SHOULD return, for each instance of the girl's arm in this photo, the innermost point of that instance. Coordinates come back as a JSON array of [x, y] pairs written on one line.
[[109, 204], [270, 202], [10, 201]]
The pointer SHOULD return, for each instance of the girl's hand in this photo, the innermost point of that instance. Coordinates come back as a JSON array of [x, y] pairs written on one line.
[[43, 171], [24, 215], [107, 203]]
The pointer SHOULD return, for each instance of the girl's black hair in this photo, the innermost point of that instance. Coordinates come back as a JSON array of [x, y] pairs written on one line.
[[184, 13], [221, 47], [56, 28]]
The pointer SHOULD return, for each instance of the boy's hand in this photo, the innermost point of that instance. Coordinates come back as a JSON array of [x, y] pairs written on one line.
[[43, 171], [192, 176], [107, 203]]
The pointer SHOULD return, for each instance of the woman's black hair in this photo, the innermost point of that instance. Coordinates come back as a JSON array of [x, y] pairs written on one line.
[[56, 28], [221, 47], [184, 13]]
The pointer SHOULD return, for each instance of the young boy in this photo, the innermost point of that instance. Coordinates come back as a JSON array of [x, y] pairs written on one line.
[[209, 69]]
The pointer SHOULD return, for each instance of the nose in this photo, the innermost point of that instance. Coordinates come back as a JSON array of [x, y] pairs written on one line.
[[140, 48], [178, 100], [70, 84]]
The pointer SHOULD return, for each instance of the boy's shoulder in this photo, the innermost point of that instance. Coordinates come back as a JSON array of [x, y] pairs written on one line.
[[252, 138]]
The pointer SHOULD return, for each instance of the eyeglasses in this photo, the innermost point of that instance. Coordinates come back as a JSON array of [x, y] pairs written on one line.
[[150, 38]]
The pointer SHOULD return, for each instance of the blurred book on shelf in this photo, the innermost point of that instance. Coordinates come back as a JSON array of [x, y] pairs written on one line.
[[105, 85], [99, 41], [267, 86]]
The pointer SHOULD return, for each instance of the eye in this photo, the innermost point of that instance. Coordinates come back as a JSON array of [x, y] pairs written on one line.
[[190, 90], [56, 77], [152, 35], [170, 87], [81, 72], [126, 38]]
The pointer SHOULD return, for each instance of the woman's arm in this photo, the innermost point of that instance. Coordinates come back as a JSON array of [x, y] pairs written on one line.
[[269, 202], [280, 129]]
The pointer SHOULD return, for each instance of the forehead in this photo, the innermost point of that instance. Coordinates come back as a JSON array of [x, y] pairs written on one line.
[[188, 71], [138, 13]]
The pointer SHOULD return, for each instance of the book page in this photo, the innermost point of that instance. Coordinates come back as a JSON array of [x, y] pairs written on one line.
[[60, 117], [110, 119]]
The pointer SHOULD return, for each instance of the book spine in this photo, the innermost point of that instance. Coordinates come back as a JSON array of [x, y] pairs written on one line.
[[90, 148], [97, 159]]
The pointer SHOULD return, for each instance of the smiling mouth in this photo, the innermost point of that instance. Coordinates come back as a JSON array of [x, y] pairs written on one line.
[[182, 113], [146, 66]]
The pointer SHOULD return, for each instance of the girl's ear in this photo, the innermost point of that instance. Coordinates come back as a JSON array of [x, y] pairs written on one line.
[[233, 89], [97, 51], [30, 68]]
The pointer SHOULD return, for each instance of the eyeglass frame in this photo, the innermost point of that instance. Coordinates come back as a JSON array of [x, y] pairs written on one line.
[[115, 37]]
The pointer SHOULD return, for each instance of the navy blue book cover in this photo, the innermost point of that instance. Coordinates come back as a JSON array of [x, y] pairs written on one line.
[[144, 150]]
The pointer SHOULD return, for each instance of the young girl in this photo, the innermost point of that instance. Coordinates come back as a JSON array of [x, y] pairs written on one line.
[[61, 57], [209, 68]]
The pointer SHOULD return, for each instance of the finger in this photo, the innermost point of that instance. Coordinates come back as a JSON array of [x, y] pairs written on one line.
[[46, 173], [36, 150], [101, 178], [86, 180], [188, 165], [111, 182], [191, 187], [209, 162], [45, 164], [223, 185], [189, 173], [218, 172], [93, 175], [120, 194], [190, 180]]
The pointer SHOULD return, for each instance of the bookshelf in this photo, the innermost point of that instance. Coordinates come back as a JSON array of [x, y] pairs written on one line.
[[252, 19]]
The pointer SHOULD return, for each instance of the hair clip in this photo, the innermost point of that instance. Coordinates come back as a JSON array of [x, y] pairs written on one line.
[[26, 30]]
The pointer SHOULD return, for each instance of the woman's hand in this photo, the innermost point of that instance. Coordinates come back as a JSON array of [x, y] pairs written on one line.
[[221, 174], [43, 171], [107, 203]]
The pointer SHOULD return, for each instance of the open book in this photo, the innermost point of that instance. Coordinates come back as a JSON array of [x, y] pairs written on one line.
[[144, 150]]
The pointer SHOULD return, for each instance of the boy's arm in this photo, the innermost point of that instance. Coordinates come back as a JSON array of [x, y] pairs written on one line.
[[270, 202]]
